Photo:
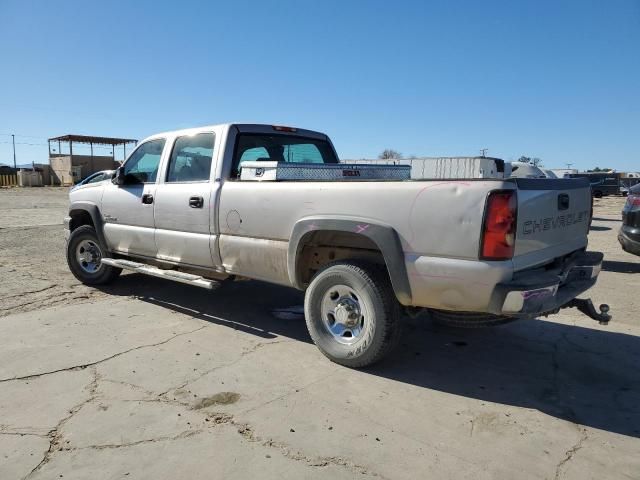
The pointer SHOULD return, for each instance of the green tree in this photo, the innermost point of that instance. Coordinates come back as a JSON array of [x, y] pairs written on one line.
[[535, 161]]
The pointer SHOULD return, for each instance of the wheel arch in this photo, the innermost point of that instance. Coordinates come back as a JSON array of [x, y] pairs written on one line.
[[383, 237], [81, 212]]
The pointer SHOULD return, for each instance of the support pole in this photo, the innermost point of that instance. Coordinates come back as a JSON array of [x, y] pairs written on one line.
[[73, 180], [13, 140], [49, 142]]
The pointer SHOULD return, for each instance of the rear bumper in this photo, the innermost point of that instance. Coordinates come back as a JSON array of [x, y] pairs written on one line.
[[629, 238], [536, 292]]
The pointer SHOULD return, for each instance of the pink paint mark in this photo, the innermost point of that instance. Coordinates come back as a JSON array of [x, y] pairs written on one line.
[[362, 228], [313, 226]]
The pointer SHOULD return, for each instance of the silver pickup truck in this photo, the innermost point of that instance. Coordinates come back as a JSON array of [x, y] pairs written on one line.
[[470, 252]]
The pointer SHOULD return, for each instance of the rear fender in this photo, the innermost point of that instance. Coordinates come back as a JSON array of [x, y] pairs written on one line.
[[383, 236]]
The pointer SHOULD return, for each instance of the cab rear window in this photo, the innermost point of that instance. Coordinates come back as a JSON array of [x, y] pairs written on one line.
[[280, 148]]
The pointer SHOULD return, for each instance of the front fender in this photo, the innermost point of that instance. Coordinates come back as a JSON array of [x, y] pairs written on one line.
[[96, 217], [384, 236]]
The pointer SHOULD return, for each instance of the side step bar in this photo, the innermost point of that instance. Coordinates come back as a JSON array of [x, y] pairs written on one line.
[[181, 277]]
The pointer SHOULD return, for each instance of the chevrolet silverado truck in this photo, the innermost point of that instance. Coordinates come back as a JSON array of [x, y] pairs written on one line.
[[366, 249]]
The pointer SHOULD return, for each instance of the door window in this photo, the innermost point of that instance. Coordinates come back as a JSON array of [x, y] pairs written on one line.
[[142, 165], [191, 158]]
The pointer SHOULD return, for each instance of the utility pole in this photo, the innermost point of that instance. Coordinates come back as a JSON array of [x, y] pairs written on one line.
[[13, 141], [483, 151]]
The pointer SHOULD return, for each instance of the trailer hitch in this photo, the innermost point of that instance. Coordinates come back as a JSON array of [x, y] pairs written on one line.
[[586, 307]]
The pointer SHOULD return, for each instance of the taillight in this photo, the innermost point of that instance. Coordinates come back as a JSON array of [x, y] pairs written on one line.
[[633, 201], [499, 229]]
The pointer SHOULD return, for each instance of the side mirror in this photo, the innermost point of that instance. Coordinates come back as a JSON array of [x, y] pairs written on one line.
[[118, 177]]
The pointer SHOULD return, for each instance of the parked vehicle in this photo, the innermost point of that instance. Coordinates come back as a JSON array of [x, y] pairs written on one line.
[[525, 170], [95, 178], [629, 234], [602, 184], [626, 182], [471, 252], [563, 172]]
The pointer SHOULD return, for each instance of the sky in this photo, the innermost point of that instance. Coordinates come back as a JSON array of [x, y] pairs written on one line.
[[554, 79]]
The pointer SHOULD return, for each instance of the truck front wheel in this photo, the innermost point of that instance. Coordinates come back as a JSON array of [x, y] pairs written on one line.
[[84, 255], [352, 314]]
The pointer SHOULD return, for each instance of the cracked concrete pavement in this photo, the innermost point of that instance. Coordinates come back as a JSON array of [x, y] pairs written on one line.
[[150, 379]]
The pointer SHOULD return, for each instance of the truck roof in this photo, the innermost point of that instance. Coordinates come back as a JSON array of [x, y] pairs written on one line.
[[244, 128]]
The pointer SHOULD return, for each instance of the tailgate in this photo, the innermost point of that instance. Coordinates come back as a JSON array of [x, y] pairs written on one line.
[[553, 219]]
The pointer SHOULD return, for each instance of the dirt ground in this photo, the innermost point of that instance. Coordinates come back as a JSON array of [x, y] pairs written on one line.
[[152, 379]]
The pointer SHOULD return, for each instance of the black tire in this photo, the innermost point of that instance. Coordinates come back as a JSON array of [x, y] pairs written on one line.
[[379, 324], [597, 194], [469, 320], [103, 274]]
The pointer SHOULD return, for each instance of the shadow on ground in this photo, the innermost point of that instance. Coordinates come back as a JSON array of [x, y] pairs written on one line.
[[600, 219], [620, 267], [597, 228], [575, 373]]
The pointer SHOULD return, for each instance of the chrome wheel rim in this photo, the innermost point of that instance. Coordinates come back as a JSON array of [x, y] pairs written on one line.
[[88, 255], [343, 314]]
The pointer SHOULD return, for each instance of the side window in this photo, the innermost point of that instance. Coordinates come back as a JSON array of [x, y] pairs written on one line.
[[142, 165], [191, 158]]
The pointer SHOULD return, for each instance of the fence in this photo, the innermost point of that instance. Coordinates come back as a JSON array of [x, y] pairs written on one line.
[[8, 180], [29, 178]]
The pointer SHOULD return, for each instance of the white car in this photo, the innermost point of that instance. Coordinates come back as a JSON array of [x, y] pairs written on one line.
[[95, 178]]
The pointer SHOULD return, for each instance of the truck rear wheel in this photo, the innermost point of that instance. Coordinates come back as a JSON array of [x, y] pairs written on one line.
[[352, 314], [84, 255]]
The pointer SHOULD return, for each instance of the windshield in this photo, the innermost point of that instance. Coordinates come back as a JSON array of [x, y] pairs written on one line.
[[280, 148]]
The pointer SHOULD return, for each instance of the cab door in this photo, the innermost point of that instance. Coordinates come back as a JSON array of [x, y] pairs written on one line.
[[184, 202], [127, 209]]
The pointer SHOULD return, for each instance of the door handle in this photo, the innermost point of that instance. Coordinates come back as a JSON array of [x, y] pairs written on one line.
[[147, 199], [196, 202]]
